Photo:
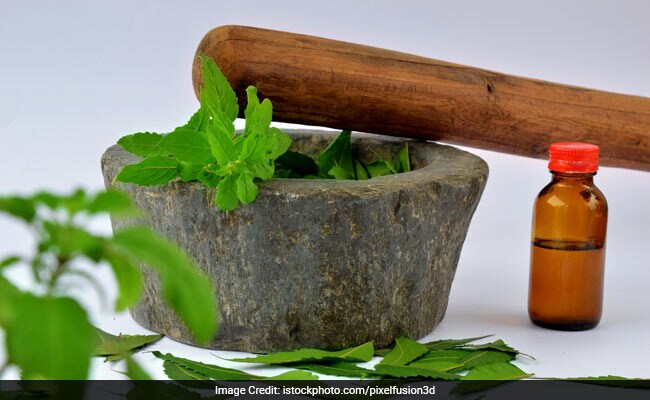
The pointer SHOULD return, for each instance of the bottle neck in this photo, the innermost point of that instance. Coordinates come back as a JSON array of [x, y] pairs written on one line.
[[578, 177]]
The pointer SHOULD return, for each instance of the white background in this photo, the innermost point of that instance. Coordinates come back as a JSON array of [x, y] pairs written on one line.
[[75, 76]]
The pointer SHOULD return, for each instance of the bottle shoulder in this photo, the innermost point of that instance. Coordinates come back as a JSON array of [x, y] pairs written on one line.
[[574, 194]]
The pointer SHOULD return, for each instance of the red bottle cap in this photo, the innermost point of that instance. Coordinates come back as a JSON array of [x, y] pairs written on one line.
[[573, 157]]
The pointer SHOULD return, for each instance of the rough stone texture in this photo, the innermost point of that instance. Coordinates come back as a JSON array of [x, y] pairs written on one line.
[[319, 263]]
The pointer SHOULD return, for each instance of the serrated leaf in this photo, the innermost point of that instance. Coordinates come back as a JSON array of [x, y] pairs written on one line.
[[300, 163], [189, 146], [499, 371], [120, 346], [454, 355], [53, 340], [255, 148], [188, 291], [229, 374], [337, 368], [199, 120], [118, 204], [407, 371], [226, 197], [18, 207], [482, 357], [338, 153], [405, 351], [246, 189], [498, 345], [445, 344], [403, 162], [280, 143], [142, 144], [208, 178], [215, 83], [152, 171], [178, 372], [439, 365], [189, 172], [362, 352], [221, 146], [263, 170], [260, 119]]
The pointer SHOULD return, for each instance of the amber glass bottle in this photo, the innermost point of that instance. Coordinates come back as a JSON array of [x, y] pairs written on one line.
[[568, 242]]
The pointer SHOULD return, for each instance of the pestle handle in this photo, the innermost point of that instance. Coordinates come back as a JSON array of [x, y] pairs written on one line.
[[323, 82]]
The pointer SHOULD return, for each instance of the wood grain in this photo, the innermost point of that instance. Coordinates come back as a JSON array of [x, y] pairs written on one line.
[[324, 82]]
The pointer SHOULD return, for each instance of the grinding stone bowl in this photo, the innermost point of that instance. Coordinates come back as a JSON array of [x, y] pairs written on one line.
[[318, 263]]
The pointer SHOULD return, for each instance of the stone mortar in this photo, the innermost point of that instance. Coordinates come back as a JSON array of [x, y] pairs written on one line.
[[318, 263]]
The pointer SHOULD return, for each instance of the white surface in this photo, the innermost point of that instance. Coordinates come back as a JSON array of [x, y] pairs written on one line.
[[75, 76]]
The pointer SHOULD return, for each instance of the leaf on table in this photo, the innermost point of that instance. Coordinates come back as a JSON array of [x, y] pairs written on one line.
[[184, 288], [454, 355], [440, 365], [500, 371], [407, 371], [216, 372], [189, 146], [142, 144], [121, 346], [151, 171], [338, 153], [53, 341], [446, 344], [135, 372], [498, 345], [482, 357], [362, 352], [405, 351], [337, 368]]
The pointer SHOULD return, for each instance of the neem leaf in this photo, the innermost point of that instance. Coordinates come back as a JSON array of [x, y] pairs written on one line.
[[216, 85], [246, 189], [143, 144], [228, 374], [178, 372], [454, 355], [452, 343], [18, 207], [152, 171], [338, 153], [407, 371], [120, 346], [500, 371], [337, 368], [403, 163], [362, 352], [405, 351], [478, 358], [188, 145], [498, 345], [439, 365], [54, 340], [188, 291], [300, 163], [135, 372], [226, 197]]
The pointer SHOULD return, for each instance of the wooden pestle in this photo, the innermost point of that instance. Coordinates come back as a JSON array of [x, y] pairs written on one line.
[[323, 82]]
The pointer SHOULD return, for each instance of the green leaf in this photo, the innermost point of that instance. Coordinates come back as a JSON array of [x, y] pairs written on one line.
[[226, 198], [338, 153], [228, 374], [337, 368], [360, 170], [8, 292], [199, 120], [483, 357], [403, 163], [189, 172], [127, 274], [118, 204], [260, 118], [135, 372], [362, 352], [208, 178], [251, 105], [339, 173], [122, 346], [68, 241], [498, 345], [9, 261], [53, 340], [300, 163], [152, 171], [18, 207], [246, 189], [280, 143], [379, 168], [610, 380], [263, 170], [452, 343], [178, 372], [405, 351], [221, 146], [255, 148], [454, 355], [143, 144], [188, 292], [189, 146], [439, 365], [499, 371], [407, 371], [223, 98]]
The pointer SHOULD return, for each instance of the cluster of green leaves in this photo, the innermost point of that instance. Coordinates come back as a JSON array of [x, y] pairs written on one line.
[[48, 334], [207, 149], [443, 359], [338, 161]]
